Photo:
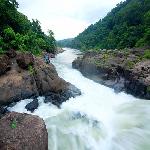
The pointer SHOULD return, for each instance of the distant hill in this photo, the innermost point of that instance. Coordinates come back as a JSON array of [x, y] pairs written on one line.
[[127, 25], [64, 43]]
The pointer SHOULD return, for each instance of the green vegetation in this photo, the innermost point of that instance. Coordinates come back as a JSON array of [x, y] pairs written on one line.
[[13, 124], [147, 54], [17, 32], [130, 64], [126, 26], [31, 69]]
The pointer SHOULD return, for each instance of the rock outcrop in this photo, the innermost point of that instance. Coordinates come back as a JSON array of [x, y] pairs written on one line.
[[30, 76], [122, 70], [22, 132]]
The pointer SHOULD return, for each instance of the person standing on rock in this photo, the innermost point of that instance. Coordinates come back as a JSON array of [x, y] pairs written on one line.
[[46, 58]]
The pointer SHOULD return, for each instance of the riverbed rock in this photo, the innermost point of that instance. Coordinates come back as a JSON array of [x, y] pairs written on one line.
[[32, 105], [22, 132], [122, 70]]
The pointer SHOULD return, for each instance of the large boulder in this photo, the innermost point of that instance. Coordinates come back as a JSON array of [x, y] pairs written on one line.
[[24, 60], [4, 64], [22, 132]]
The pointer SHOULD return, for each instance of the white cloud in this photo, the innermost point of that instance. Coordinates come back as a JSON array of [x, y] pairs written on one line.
[[67, 18]]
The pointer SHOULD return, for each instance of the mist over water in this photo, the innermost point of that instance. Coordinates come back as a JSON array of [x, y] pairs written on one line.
[[99, 119]]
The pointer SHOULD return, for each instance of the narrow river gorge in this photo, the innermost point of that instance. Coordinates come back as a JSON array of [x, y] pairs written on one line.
[[99, 119]]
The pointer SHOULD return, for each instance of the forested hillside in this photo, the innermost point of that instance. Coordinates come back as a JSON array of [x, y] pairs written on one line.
[[65, 42], [127, 25], [17, 32]]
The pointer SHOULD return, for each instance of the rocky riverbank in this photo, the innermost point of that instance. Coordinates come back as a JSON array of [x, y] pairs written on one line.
[[125, 70], [24, 76]]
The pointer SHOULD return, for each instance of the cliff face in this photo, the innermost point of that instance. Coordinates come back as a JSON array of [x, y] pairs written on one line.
[[25, 76], [125, 70]]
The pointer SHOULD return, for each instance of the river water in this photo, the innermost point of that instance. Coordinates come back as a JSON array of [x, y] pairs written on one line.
[[99, 119]]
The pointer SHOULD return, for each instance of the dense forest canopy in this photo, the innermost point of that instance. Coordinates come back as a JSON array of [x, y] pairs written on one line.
[[19, 33], [127, 25]]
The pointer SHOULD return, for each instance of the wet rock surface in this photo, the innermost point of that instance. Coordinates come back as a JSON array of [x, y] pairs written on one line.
[[32, 105], [124, 70], [22, 132]]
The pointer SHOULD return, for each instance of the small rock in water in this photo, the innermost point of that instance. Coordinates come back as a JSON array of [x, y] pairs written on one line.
[[32, 105]]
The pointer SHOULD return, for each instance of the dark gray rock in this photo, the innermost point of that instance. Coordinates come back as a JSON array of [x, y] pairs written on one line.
[[32, 105]]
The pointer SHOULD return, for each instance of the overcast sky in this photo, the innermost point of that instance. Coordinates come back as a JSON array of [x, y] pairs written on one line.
[[67, 18]]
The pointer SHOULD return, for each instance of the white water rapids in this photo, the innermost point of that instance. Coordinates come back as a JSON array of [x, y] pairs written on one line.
[[99, 119]]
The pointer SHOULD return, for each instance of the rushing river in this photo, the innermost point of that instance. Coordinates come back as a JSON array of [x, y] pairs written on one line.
[[99, 119]]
